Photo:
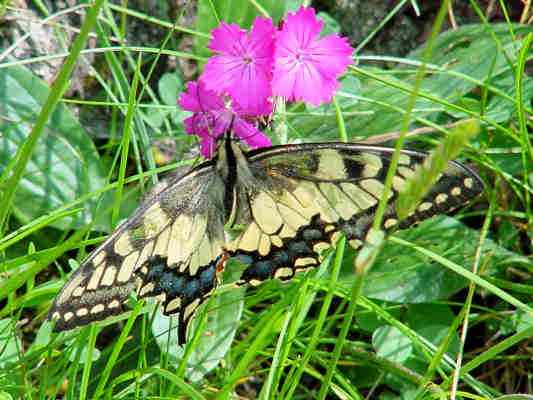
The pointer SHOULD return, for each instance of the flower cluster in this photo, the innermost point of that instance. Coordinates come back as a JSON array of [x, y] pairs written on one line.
[[250, 68]]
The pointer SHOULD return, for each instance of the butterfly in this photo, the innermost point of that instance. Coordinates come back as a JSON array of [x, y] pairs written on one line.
[[274, 209]]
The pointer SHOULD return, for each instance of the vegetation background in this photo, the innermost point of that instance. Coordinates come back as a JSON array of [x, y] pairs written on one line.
[[88, 123]]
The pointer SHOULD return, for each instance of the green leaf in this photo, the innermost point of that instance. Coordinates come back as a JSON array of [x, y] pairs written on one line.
[[211, 12], [170, 85], [330, 24], [523, 320], [501, 109], [95, 355], [223, 318], [390, 343], [5, 396], [370, 321], [432, 321], [320, 124], [10, 344], [155, 117], [43, 337], [400, 275], [64, 165]]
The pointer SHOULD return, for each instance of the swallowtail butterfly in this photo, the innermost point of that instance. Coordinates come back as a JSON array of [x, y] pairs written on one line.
[[291, 202]]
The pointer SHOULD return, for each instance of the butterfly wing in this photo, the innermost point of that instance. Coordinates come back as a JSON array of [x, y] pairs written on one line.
[[295, 200], [171, 248]]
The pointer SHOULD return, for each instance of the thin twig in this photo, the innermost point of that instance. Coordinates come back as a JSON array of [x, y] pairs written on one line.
[[470, 295], [525, 11], [394, 135], [451, 16], [490, 9]]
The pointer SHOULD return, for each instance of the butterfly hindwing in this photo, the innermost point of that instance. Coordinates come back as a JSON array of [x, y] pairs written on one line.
[[296, 199], [169, 249]]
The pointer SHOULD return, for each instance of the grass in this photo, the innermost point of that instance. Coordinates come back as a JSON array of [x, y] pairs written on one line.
[[441, 310]]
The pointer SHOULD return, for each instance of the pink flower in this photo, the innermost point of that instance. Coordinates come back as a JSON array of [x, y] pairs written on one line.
[[307, 66], [212, 117], [243, 65]]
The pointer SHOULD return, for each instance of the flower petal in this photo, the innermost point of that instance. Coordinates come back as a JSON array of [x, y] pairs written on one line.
[[253, 92], [228, 39], [222, 72], [243, 67], [197, 98], [300, 28], [189, 125], [261, 40], [331, 55], [306, 67], [208, 145], [250, 134]]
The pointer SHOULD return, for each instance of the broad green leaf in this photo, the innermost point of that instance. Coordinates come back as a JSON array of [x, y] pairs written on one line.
[[390, 343], [64, 165], [155, 117], [319, 123], [211, 12], [401, 275], [170, 85], [43, 337], [370, 321], [501, 109]]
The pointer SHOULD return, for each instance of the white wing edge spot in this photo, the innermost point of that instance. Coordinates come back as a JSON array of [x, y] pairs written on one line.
[[456, 191], [97, 309], [82, 312]]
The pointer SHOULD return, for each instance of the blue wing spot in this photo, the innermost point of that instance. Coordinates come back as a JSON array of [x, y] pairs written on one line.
[[297, 249], [156, 266], [311, 234], [191, 289], [260, 270], [281, 257], [207, 277], [171, 284], [244, 259]]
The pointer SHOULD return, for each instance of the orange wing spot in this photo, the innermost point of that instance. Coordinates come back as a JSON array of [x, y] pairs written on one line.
[[221, 264]]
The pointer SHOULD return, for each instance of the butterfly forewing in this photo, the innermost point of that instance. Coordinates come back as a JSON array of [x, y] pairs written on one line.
[[169, 249], [297, 199]]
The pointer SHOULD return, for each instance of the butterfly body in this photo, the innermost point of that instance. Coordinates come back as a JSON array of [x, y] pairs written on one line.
[[273, 209]]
